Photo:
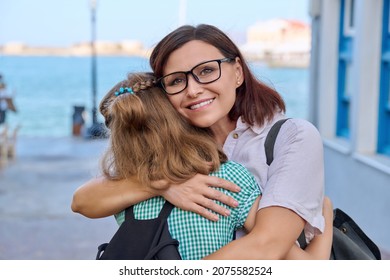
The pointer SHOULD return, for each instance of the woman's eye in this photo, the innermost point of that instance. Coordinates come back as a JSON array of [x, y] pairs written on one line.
[[176, 82], [206, 71]]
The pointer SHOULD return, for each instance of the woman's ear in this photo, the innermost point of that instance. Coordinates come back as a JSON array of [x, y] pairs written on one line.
[[239, 72]]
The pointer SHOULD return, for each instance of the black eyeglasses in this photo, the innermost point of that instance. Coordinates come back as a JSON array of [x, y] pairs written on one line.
[[204, 73]]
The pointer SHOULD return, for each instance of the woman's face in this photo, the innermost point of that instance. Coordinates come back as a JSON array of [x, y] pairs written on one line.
[[204, 105]]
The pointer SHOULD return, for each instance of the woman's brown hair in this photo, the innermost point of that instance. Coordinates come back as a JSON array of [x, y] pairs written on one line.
[[150, 139], [255, 101]]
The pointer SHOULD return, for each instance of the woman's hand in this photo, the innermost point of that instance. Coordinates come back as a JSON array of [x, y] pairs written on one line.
[[197, 195]]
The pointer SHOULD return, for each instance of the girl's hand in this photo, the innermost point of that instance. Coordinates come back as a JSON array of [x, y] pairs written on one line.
[[197, 195], [320, 247]]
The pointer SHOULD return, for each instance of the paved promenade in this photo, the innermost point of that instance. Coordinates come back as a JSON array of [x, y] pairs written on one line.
[[36, 222]]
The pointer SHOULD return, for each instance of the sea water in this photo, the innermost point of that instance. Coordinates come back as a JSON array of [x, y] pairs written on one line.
[[46, 88]]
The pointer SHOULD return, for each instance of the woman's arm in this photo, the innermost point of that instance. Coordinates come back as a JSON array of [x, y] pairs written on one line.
[[101, 197]]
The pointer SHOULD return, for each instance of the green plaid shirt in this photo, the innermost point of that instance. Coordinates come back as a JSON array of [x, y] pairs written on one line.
[[197, 236]]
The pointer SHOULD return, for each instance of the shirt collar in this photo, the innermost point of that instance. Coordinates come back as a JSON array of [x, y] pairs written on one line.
[[241, 125]]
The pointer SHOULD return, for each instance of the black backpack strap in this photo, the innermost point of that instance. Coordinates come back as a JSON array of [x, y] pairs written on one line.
[[163, 245], [270, 140], [166, 210], [164, 213], [302, 240], [129, 213]]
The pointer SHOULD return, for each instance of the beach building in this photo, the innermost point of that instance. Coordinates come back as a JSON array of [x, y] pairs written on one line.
[[349, 101], [279, 42]]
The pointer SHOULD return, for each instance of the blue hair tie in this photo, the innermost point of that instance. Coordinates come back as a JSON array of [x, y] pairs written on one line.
[[123, 90]]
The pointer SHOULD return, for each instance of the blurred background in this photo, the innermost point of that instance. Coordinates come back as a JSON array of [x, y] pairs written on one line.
[[46, 49], [58, 59]]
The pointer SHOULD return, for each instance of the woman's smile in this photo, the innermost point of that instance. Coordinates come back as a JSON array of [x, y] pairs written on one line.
[[200, 104]]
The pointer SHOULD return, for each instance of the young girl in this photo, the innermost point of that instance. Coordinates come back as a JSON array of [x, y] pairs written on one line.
[[151, 141]]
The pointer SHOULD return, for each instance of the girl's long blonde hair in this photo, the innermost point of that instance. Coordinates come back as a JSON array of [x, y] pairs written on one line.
[[150, 139]]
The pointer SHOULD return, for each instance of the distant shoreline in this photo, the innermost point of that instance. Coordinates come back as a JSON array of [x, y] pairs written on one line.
[[102, 48], [129, 49]]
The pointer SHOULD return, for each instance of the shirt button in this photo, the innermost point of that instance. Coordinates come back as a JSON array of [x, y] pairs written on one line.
[[235, 135]]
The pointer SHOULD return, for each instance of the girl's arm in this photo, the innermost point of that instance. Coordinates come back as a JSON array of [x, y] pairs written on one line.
[[320, 247], [101, 197]]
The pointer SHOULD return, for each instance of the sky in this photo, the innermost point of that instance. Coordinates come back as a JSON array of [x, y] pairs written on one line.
[[61, 23]]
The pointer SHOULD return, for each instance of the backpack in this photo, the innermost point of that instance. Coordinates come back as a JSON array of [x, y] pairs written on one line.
[[349, 240], [142, 239]]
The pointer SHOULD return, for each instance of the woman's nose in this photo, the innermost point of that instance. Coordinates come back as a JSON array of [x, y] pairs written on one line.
[[193, 87]]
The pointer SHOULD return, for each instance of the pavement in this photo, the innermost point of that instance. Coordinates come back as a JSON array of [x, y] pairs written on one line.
[[36, 189]]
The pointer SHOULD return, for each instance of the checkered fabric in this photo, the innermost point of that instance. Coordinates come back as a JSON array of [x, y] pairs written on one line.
[[197, 236]]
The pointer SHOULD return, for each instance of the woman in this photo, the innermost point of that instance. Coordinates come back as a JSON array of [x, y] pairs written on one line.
[[239, 110]]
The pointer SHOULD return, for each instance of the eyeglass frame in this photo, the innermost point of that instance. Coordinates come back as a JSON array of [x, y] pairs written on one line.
[[186, 73]]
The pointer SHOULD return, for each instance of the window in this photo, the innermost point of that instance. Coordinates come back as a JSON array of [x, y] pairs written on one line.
[[384, 96], [344, 68]]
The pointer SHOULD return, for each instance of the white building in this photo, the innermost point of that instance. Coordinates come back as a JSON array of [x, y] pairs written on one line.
[[279, 42]]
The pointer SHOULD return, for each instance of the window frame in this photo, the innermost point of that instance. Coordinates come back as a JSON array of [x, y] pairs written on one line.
[[345, 64]]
